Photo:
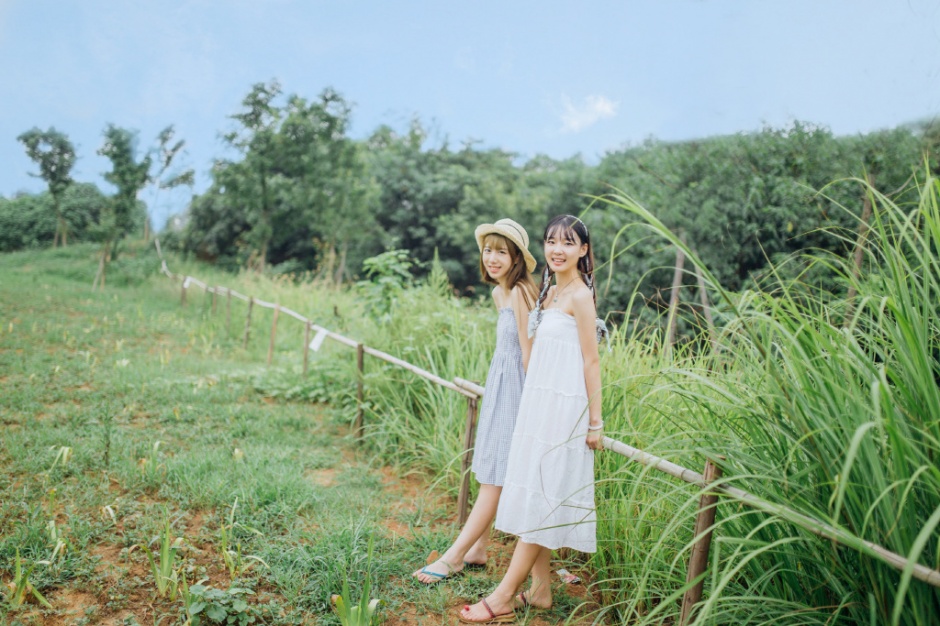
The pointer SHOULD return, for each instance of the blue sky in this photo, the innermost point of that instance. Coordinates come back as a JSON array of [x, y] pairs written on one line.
[[545, 77]]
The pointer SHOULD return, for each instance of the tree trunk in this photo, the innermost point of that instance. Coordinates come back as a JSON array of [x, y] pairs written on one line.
[[341, 270], [706, 308], [94, 283], [330, 262], [265, 220], [671, 319], [102, 264], [859, 254], [60, 226]]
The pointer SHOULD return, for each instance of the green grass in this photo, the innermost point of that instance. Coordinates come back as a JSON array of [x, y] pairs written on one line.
[[836, 420], [835, 417], [153, 401]]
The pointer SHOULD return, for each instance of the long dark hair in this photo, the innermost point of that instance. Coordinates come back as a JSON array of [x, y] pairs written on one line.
[[518, 272], [569, 226]]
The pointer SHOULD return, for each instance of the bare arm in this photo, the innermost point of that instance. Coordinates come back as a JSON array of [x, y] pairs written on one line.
[[585, 315], [521, 310]]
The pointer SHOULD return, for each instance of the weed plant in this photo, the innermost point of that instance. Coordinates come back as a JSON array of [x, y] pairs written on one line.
[[20, 589], [207, 605], [362, 613], [163, 560], [235, 563]]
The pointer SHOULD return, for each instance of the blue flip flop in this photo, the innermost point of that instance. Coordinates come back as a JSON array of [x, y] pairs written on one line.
[[440, 577], [424, 570]]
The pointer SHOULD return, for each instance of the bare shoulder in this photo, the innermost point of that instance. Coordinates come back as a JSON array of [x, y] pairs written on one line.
[[518, 298], [582, 303], [499, 298]]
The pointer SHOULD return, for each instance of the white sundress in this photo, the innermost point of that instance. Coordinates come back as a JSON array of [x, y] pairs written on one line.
[[548, 494]]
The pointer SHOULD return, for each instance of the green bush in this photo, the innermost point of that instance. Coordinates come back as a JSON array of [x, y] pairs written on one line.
[[28, 221]]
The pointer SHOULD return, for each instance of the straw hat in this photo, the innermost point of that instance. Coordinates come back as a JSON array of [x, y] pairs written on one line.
[[511, 231]]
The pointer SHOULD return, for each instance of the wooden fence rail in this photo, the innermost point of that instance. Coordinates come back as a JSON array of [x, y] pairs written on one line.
[[707, 481]]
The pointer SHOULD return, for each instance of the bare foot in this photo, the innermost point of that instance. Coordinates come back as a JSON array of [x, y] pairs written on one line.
[[436, 572], [529, 598], [475, 557]]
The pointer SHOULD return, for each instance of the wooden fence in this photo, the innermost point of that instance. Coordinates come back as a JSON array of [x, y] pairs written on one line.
[[708, 480]]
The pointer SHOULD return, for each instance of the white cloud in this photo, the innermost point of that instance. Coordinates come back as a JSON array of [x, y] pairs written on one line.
[[592, 109]]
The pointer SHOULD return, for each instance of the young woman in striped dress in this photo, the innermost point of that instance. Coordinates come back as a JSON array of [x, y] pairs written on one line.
[[506, 263]]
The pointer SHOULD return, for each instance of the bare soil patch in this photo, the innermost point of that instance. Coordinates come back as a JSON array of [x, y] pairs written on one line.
[[325, 477]]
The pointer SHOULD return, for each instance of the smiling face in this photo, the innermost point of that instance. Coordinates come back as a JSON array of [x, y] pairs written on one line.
[[563, 249], [496, 258]]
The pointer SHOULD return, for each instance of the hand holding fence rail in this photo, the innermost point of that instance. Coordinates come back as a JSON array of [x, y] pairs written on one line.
[[708, 481]]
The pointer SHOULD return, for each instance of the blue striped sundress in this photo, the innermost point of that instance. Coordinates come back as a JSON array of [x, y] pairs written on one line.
[[500, 403]]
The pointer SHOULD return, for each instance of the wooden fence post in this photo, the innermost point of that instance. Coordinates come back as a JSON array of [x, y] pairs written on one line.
[[671, 319], [360, 391], [228, 311], [306, 345], [277, 311], [698, 561], [214, 290], [706, 308], [251, 304], [463, 499], [183, 293]]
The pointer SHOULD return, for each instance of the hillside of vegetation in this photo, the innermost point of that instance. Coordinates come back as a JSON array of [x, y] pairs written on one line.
[[292, 191]]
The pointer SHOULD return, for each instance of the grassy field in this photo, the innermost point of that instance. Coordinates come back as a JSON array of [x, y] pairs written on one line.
[[122, 412]]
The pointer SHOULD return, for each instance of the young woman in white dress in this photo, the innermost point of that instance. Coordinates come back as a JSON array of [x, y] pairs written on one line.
[[506, 263], [548, 493]]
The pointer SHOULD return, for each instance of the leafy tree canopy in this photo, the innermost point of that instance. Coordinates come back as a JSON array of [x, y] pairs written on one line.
[[52, 151]]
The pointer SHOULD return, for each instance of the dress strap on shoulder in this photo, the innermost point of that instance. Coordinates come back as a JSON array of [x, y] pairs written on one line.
[[535, 318]]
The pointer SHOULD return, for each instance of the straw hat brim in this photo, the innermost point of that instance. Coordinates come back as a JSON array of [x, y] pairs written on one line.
[[510, 232]]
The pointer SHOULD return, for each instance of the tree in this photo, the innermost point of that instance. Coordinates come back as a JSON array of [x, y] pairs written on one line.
[[164, 178], [52, 151], [129, 176], [299, 199], [256, 140], [331, 196]]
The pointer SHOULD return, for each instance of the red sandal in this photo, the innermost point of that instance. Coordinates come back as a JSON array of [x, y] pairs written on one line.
[[503, 618]]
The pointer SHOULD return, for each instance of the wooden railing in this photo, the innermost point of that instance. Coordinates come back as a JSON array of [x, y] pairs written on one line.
[[708, 481]]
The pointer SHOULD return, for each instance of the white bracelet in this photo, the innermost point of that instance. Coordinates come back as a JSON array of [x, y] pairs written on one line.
[[598, 427]]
